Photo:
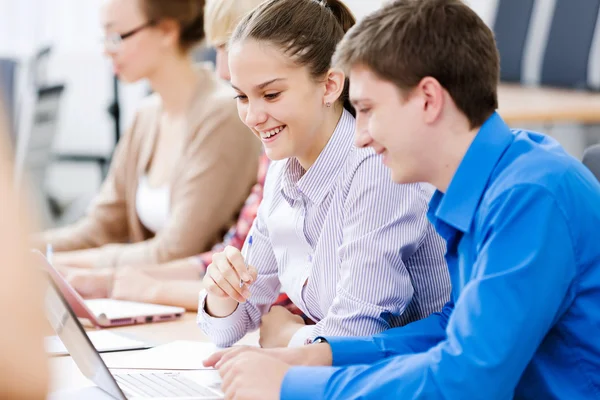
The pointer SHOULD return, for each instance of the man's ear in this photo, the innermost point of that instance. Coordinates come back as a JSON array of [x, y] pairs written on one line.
[[432, 94]]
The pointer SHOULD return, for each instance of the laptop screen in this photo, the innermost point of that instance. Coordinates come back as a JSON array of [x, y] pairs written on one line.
[[71, 333]]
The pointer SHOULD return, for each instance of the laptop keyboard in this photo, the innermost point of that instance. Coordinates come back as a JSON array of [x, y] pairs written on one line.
[[161, 385]]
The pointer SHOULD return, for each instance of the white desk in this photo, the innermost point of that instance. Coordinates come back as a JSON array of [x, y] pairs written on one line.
[[66, 375]]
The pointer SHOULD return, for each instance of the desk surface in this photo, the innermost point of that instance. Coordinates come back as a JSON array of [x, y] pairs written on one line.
[[66, 375], [519, 104]]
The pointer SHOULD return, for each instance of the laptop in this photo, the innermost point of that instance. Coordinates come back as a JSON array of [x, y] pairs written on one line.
[[104, 313], [197, 385]]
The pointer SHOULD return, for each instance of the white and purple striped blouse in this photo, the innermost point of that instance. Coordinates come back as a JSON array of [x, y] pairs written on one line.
[[353, 250]]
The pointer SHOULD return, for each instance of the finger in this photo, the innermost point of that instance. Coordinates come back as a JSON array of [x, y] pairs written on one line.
[[238, 263], [64, 271], [214, 358], [253, 273], [229, 389], [213, 288], [233, 353], [223, 284], [228, 271], [227, 373], [232, 277], [209, 283]]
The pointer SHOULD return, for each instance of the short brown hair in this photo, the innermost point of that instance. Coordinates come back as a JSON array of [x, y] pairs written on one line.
[[189, 14], [306, 30], [408, 40]]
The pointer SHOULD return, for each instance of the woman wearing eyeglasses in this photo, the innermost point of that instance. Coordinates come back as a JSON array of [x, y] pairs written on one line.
[[182, 172]]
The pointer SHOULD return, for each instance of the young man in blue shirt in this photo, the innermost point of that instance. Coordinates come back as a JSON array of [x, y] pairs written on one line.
[[521, 219]]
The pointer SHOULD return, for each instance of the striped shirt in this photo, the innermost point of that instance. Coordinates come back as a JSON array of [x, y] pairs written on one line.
[[353, 250]]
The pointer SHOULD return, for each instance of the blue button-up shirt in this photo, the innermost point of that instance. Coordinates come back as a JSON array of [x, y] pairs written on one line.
[[522, 223]]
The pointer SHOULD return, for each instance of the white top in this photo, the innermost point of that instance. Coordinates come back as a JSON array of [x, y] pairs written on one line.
[[152, 205]]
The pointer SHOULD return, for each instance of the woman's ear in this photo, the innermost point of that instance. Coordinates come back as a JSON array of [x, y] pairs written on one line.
[[334, 86], [170, 31]]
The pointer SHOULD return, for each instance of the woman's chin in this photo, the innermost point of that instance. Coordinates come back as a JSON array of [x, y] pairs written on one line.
[[276, 154], [127, 78]]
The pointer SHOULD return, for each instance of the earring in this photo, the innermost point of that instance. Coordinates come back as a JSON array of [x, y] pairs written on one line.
[[328, 104]]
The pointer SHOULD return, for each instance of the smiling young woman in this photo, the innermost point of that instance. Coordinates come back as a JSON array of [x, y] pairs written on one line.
[[352, 250]]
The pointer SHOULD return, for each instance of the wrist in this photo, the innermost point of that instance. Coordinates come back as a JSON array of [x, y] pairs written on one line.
[[109, 277], [319, 354], [289, 332], [156, 292], [219, 307]]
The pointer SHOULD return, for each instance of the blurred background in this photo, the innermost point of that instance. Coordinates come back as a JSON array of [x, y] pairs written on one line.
[[63, 97]]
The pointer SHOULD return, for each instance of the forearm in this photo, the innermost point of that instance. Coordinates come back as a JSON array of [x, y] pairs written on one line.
[[220, 307], [186, 269], [179, 293], [68, 238], [77, 259], [416, 337]]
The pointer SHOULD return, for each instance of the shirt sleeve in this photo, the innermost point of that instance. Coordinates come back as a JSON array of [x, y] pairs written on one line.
[[521, 275], [374, 283], [413, 338], [227, 331]]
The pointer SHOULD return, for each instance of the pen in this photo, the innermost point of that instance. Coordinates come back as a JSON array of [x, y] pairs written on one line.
[[49, 253], [246, 257]]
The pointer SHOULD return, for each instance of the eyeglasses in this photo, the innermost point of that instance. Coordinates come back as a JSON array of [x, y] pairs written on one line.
[[113, 41]]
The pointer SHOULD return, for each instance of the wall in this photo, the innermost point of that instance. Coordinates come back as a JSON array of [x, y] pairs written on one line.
[[73, 28]]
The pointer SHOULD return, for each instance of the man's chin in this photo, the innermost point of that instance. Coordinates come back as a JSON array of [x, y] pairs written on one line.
[[400, 176]]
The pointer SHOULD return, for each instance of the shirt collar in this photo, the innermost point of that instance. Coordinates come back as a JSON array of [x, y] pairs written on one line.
[[458, 205], [316, 182]]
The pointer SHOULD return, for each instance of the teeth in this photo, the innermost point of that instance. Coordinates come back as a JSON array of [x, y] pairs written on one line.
[[273, 132]]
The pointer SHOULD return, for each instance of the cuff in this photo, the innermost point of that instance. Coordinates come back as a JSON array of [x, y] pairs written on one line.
[[204, 318], [299, 338], [295, 387], [352, 350]]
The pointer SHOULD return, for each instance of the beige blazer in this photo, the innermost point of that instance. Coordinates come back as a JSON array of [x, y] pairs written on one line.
[[214, 176]]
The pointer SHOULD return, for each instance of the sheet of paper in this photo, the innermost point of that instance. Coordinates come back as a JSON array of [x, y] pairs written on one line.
[[178, 355], [103, 341]]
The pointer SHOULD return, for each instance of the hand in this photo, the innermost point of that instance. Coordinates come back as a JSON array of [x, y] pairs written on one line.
[[134, 284], [252, 376], [222, 282], [90, 283], [314, 355], [278, 327]]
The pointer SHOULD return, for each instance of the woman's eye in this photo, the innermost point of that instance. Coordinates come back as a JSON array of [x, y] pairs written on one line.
[[240, 97], [272, 96]]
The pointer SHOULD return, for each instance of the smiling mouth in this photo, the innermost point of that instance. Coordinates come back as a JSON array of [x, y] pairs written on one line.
[[270, 134]]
